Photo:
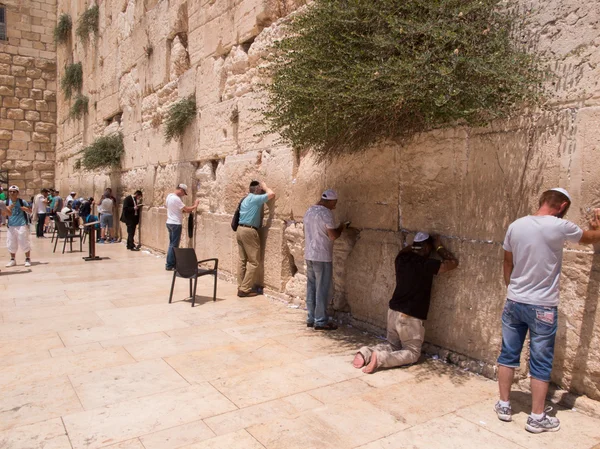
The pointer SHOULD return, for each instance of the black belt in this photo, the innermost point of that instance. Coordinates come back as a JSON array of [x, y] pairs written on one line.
[[247, 226]]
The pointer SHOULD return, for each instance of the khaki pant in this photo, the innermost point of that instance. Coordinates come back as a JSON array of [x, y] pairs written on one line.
[[405, 336], [249, 248]]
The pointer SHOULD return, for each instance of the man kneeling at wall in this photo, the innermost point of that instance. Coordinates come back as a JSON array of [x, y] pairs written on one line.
[[409, 305]]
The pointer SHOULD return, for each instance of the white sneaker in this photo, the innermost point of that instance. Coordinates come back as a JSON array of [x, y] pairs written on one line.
[[27, 263], [12, 263]]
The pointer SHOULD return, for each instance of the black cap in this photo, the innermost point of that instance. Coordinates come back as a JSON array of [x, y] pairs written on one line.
[[254, 183], [138, 192]]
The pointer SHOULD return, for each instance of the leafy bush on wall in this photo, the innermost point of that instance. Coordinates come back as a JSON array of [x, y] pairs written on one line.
[[353, 72]]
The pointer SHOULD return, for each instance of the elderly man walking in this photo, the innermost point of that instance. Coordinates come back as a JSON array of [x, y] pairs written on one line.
[[320, 232], [533, 250], [18, 226], [175, 211], [409, 305], [247, 236]]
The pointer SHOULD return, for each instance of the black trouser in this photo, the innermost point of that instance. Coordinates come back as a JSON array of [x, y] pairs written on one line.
[[130, 235], [39, 230]]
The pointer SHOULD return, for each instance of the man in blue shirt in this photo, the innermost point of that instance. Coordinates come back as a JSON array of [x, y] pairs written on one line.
[[247, 235], [18, 226]]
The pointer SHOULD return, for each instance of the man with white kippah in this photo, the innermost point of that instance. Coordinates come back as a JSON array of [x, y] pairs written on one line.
[[175, 211], [533, 249], [409, 305], [320, 232], [18, 226]]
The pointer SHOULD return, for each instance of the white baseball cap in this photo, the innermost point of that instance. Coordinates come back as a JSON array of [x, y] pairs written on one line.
[[329, 194], [183, 187], [16, 188], [563, 191]]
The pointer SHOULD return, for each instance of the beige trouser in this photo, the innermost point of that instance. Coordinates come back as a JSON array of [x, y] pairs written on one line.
[[249, 248], [405, 336]]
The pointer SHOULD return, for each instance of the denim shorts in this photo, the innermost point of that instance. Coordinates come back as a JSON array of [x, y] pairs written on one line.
[[106, 221], [541, 321]]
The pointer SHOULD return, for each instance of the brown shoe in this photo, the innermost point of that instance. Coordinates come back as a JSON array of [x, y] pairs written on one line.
[[242, 294]]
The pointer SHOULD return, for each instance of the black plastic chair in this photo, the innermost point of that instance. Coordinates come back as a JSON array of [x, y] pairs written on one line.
[[187, 266], [66, 233]]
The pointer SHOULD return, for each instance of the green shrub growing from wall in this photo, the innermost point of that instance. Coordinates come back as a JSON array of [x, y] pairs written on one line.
[[352, 72], [62, 31], [105, 151], [88, 23], [72, 79], [179, 116], [79, 107]]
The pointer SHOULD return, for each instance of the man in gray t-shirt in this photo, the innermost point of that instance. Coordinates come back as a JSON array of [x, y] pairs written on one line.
[[533, 250]]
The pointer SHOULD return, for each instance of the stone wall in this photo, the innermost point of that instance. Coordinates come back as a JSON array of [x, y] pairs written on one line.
[[466, 184], [28, 94]]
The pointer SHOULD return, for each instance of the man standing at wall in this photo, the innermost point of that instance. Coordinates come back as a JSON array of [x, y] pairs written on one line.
[[57, 203], [175, 211], [409, 305], [18, 226], [247, 235], [319, 234], [131, 217], [40, 204], [533, 249]]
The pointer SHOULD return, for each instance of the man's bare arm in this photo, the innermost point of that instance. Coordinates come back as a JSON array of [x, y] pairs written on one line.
[[269, 192], [593, 235], [192, 208], [508, 266], [449, 261], [335, 233]]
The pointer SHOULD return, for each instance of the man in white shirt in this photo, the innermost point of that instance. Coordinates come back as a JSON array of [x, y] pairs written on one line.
[[40, 203], [533, 249], [175, 211], [319, 233]]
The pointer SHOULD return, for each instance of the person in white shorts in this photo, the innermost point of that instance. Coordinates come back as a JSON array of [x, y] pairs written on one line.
[[18, 226]]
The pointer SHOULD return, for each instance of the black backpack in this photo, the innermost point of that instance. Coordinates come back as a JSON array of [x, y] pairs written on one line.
[[235, 221]]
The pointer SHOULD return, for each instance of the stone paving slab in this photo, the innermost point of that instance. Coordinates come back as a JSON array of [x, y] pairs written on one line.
[[93, 356]]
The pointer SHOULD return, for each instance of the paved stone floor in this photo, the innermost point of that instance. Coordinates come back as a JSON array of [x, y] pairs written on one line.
[[92, 355]]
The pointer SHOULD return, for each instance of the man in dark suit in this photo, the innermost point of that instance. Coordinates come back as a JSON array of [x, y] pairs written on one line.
[[131, 216]]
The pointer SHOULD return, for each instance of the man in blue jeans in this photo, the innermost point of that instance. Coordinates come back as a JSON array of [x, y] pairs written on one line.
[[533, 249], [319, 233], [175, 211]]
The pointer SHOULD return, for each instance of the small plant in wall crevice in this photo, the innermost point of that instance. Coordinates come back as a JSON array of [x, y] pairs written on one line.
[[79, 107], [179, 116], [62, 31], [105, 151], [88, 23], [72, 79]]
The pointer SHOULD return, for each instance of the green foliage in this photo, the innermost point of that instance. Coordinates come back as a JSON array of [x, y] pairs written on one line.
[[79, 107], [105, 151], [353, 72], [179, 116], [62, 31], [77, 164], [88, 23], [72, 79]]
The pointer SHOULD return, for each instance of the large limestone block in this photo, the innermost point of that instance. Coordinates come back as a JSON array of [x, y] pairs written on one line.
[[294, 236], [153, 228], [210, 82], [586, 195], [214, 238], [577, 352], [307, 186], [564, 32], [218, 130], [251, 132], [139, 179], [430, 171], [466, 304], [370, 277], [276, 268]]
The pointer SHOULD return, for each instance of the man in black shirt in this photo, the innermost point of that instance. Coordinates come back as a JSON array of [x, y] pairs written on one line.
[[409, 305]]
